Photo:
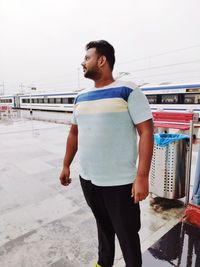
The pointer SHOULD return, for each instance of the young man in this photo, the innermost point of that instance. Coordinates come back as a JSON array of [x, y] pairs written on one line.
[[103, 130]]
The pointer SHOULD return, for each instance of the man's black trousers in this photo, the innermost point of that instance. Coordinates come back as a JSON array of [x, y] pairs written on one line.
[[115, 213]]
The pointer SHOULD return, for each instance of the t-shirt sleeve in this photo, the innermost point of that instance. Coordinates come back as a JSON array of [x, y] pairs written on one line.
[[138, 106], [73, 118]]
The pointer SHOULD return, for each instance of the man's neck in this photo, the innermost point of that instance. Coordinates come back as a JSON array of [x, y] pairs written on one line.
[[103, 81]]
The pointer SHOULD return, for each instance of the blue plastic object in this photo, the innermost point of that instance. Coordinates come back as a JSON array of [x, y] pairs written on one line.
[[196, 188], [164, 139]]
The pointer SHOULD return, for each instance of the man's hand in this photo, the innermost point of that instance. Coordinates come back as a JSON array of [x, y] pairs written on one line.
[[64, 176], [140, 188]]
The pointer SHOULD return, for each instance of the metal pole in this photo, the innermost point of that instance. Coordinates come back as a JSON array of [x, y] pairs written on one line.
[[31, 112], [21, 86], [3, 88], [188, 171]]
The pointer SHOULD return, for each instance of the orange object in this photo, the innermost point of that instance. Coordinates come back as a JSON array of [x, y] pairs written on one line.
[[192, 215]]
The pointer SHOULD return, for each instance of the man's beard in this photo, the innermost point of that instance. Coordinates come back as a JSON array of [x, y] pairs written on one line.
[[92, 74]]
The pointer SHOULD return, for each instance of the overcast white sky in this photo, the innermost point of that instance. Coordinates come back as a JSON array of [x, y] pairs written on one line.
[[42, 41]]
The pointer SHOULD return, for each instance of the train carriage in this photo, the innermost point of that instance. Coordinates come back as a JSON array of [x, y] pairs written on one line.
[[177, 97], [48, 101], [7, 100], [171, 97]]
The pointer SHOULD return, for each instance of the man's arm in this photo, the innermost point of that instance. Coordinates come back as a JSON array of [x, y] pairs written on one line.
[[140, 187], [71, 148]]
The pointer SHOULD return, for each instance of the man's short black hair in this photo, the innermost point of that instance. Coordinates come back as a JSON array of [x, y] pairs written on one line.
[[103, 48]]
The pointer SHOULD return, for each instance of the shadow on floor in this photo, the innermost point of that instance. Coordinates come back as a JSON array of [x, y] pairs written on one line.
[[179, 247]]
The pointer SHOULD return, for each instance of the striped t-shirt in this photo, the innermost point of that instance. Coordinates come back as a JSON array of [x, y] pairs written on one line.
[[107, 140]]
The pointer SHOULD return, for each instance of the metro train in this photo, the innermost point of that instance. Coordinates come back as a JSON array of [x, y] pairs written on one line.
[[171, 97], [174, 97], [40, 101]]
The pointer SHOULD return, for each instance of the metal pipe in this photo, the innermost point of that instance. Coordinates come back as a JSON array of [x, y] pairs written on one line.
[[187, 187]]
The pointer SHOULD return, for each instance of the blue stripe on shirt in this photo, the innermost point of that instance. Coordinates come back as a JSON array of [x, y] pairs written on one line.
[[117, 92]]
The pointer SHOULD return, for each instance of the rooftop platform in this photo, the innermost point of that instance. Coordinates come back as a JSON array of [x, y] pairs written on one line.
[[44, 224]]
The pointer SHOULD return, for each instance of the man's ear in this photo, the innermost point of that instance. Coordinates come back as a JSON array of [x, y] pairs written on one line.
[[102, 61]]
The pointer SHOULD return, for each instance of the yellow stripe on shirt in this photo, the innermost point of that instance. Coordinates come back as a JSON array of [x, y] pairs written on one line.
[[109, 105]]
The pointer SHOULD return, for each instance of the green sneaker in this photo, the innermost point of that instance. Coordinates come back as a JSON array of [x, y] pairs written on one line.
[[97, 265]]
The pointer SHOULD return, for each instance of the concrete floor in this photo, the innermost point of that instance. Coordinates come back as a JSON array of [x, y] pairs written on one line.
[[42, 223]]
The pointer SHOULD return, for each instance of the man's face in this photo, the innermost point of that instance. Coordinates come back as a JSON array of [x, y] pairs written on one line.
[[90, 64]]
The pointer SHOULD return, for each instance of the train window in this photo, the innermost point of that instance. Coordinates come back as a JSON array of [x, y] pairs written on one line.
[[189, 100], [51, 100], [65, 100], [192, 99], [68, 100], [25, 100], [58, 100], [181, 98], [35, 100], [45, 99], [170, 99], [41, 100], [71, 100], [152, 99]]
